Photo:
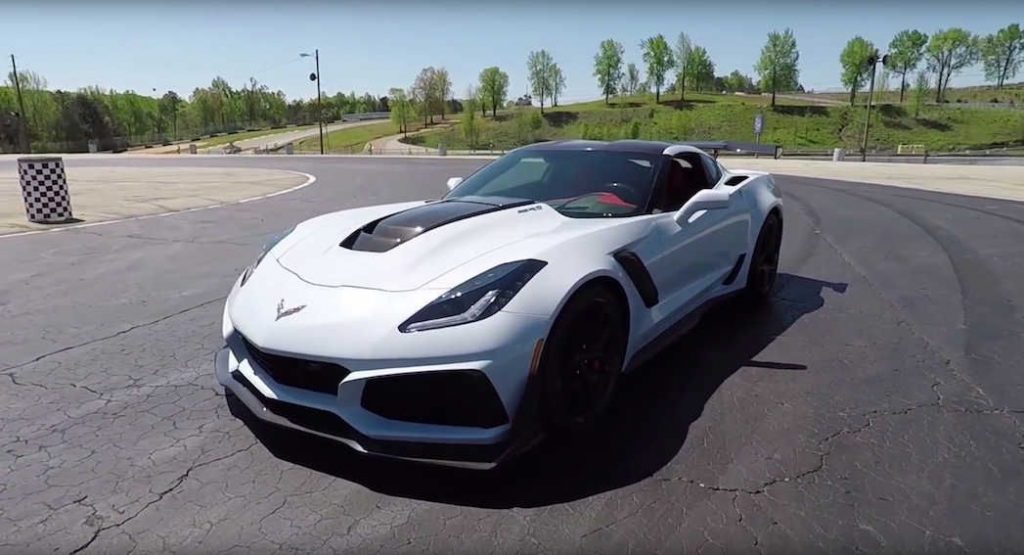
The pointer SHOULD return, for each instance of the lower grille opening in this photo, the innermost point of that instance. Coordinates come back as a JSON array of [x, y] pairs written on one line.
[[450, 397], [314, 419], [311, 375], [331, 424]]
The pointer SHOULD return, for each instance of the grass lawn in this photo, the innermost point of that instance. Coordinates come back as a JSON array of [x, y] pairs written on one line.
[[795, 125], [1011, 93], [350, 140], [225, 139]]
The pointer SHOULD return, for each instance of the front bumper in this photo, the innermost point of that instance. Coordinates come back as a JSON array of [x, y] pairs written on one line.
[[344, 418], [329, 425]]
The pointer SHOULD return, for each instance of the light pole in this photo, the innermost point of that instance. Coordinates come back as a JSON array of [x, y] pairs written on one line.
[[872, 62], [22, 117], [319, 111]]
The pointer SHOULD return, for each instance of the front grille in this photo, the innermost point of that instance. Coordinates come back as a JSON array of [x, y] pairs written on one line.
[[311, 375], [450, 397]]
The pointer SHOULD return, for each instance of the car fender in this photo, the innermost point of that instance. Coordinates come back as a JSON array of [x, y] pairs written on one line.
[[762, 195], [549, 291]]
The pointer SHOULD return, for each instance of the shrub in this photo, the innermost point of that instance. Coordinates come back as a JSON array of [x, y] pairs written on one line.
[[536, 121]]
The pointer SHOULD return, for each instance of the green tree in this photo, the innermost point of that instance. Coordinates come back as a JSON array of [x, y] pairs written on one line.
[[276, 104], [470, 124], [443, 88], [256, 102], [1002, 54], [482, 101], [920, 91], [658, 57], [83, 117], [777, 66], [632, 78], [557, 83], [855, 63], [608, 67], [130, 112], [737, 82], [425, 92], [493, 88], [226, 107], [882, 81], [538, 70], [169, 104], [41, 111], [401, 109], [700, 70], [949, 51], [684, 47], [905, 51]]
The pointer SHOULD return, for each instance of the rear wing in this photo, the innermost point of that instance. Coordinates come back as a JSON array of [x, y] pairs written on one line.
[[734, 147]]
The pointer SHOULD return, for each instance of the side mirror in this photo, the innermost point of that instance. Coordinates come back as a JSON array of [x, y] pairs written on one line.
[[705, 199], [453, 182]]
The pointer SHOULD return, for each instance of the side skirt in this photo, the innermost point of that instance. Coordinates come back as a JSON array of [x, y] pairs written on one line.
[[685, 323]]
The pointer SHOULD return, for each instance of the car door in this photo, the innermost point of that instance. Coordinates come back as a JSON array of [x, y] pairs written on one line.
[[689, 262]]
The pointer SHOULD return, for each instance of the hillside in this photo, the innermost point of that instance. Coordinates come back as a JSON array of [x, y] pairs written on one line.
[[797, 125], [1012, 94]]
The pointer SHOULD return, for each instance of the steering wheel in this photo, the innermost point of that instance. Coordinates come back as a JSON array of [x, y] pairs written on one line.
[[633, 193]]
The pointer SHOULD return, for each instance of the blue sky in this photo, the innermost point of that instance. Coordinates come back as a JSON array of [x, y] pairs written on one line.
[[372, 46]]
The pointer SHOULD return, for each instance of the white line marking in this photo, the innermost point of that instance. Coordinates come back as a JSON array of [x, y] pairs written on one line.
[[310, 179]]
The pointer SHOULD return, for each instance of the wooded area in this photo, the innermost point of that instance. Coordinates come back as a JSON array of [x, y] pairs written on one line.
[[62, 121]]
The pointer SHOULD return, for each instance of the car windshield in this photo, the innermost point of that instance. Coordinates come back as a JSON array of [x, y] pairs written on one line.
[[576, 183]]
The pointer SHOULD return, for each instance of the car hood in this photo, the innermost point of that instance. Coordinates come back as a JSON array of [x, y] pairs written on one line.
[[405, 247]]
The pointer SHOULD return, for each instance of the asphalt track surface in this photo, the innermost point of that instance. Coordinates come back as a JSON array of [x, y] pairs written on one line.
[[877, 405]]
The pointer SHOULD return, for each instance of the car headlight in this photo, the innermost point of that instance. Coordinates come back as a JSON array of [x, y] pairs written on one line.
[[270, 244], [475, 299]]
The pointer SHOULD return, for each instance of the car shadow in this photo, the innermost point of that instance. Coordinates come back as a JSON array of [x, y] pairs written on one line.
[[643, 430]]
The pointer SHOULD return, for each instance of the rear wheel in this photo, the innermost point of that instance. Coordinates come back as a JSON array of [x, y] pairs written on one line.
[[764, 263], [583, 357]]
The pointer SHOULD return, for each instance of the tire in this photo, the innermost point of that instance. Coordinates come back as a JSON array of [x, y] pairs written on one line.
[[583, 358], [764, 263]]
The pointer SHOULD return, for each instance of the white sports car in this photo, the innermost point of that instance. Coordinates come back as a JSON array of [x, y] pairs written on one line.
[[459, 331]]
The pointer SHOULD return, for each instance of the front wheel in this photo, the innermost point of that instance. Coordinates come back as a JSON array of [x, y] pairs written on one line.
[[583, 357], [764, 263]]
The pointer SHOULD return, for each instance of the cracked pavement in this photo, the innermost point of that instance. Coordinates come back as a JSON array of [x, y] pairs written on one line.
[[875, 406]]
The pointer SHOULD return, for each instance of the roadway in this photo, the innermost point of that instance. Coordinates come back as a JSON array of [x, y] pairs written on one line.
[[876, 405], [272, 140]]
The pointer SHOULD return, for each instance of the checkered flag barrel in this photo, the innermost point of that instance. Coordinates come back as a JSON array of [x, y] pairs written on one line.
[[44, 188]]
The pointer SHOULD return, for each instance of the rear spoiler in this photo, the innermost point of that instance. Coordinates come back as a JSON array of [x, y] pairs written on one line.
[[733, 147]]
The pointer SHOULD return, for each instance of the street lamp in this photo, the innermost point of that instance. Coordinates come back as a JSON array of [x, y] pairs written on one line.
[[316, 77], [873, 60]]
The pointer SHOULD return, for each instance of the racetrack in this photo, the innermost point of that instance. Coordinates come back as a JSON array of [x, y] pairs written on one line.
[[877, 405]]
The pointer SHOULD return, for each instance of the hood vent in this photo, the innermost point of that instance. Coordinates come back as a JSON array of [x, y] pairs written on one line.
[[736, 180], [388, 232]]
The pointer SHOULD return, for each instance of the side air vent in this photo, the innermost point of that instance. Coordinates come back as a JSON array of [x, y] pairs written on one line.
[[736, 180], [639, 275], [735, 272]]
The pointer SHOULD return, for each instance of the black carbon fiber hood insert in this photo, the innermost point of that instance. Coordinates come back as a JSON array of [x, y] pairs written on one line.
[[390, 231]]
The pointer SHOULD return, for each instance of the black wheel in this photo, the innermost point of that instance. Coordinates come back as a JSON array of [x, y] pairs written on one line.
[[582, 359], [764, 264]]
